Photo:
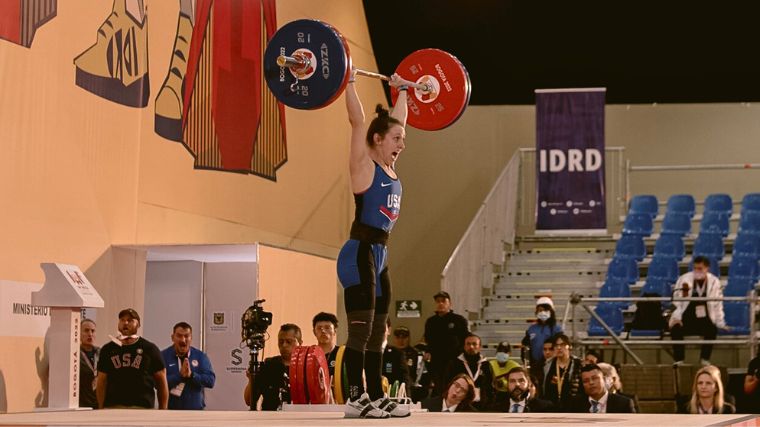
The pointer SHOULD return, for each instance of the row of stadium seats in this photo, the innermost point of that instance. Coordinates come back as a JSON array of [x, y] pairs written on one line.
[[669, 250]]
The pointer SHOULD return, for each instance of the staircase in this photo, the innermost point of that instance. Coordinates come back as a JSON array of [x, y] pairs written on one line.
[[529, 273]]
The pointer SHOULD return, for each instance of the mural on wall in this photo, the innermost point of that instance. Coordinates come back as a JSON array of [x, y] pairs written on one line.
[[116, 66], [214, 99], [20, 19]]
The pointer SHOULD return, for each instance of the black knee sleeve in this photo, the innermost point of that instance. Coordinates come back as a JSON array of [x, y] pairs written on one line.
[[359, 329], [377, 336]]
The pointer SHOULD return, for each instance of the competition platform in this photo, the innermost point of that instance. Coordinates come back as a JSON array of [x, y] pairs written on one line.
[[137, 417]]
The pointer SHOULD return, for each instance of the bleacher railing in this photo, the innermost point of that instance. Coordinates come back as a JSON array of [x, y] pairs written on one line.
[[588, 305], [470, 267], [509, 210]]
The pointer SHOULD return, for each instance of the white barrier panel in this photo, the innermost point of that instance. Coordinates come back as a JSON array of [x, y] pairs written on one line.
[[18, 316]]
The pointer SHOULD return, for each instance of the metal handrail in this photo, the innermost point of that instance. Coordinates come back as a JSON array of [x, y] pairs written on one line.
[[658, 168], [576, 299]]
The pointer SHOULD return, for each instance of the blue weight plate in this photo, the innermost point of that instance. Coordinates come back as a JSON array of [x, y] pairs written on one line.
[[321, 81]]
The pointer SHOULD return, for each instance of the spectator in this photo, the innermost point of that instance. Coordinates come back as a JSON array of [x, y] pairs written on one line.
[[88, 365], [476, 366], [562, 375], [130, 368], [395, 367], [424, 378], [707, 393], [536, 335], [188, 370], [597, 399], [457, 397], [501, 366], [325, 327], [444, 335], [751, 389], [272, 383], [611, 378], [702, 318], [414, 362], [591, 358], [521, 395]]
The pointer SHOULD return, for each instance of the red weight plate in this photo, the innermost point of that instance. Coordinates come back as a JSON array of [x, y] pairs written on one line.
[[437, 110], [317, 376], [297, 395]]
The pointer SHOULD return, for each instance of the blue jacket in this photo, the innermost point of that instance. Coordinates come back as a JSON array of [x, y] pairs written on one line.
[[535, 337], [192, 396]]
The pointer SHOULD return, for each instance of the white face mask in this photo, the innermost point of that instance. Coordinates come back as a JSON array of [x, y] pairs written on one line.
[[502, 357], [543, 316], [699, 275], [608, 383]]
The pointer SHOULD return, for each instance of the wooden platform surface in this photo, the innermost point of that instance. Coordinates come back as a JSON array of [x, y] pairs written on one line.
[[150, 418]]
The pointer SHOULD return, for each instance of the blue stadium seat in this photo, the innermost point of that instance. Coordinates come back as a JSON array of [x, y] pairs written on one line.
[[616, 288], [719, 203], [751, 202], [623, 269], [612, 316], [657, 286], [714, 223], [669, 246], [676, 223], [747, 245], [749, 223], [638, 224], [743, 267], [681, 203], [631, 246], [737, 318], [709, 245], [738, 286], [644, 204], [663, 268]]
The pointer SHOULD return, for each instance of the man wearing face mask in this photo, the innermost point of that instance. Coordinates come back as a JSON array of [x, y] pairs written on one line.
[[519, 399], [702, 318], [501, 366]]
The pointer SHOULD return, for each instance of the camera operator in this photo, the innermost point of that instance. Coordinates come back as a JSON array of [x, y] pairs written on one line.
[[273, 381]]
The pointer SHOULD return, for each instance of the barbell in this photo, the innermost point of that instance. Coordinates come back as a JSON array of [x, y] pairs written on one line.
[[307, 65]]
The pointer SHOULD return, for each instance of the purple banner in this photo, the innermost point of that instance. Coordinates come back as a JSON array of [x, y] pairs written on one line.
[[570, 159]]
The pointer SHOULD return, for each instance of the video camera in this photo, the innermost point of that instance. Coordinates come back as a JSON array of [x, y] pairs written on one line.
[[255, 323]]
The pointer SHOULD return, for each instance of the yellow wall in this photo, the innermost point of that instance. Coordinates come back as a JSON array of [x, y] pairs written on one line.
[[293, 285], [79, 174]]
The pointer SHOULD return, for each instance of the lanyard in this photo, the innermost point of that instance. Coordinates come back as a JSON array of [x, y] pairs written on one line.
[[469, 371], [701, 290], [561, 378], [89, 363]]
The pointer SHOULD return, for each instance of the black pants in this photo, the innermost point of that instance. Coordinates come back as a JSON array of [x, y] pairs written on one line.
[[367, 314], [693, 326]]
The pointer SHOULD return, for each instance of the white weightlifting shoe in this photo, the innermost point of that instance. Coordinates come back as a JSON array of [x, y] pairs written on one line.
[[363, 408], [391, 407]]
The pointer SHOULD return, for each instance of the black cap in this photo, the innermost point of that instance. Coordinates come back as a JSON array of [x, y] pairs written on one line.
[[442, 294], [129, 312], [504, 346], [401, 331]]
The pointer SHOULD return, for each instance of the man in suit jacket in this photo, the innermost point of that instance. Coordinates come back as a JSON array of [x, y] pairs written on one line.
[[598, 399], [520, 400]]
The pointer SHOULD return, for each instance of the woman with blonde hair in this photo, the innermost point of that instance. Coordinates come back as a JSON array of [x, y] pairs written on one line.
[[707, 393]]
